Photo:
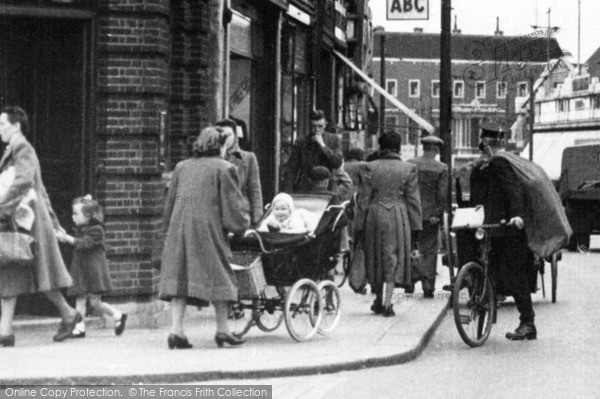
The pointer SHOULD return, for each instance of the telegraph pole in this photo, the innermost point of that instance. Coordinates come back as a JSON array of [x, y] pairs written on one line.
[[446, 97]]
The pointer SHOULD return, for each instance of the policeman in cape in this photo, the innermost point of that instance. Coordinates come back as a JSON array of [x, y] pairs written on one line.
[[495, 185], [433, 185]]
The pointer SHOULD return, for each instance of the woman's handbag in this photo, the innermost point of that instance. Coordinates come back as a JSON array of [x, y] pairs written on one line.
[[15, 247]]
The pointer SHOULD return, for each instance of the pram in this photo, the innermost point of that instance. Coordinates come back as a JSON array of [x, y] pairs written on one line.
[[283, 276]]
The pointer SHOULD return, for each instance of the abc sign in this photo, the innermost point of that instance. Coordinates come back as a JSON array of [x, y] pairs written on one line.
[[407, 9]]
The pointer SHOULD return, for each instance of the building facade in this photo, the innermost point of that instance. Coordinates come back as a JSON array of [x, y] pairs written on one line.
[[491, 77], [117, 90]]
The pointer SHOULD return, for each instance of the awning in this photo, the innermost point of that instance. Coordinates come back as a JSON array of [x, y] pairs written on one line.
[[407, 111]]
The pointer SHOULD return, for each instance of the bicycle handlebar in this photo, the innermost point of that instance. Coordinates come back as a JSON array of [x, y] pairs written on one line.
[[492, 226]]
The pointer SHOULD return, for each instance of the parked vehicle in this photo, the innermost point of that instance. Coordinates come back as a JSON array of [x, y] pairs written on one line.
[[579, 188]]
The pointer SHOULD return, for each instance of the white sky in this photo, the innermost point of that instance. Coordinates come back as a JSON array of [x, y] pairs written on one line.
[[516, 18]]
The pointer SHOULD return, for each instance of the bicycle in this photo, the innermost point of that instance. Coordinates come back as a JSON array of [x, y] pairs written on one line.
[[473, 293]]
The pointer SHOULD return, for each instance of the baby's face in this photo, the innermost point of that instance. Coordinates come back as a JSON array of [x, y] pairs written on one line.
[[281, 211]]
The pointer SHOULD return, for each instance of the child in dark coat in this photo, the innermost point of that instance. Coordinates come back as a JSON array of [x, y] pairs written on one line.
[[89, 267]]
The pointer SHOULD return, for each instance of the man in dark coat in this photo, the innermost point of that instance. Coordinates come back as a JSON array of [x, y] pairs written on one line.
[[433, 184], [495, 185], [319, 149]]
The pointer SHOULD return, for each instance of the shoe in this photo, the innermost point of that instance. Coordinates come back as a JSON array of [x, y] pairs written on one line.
[[8, 340], [376, 307], [65, 330], [409, 290], [524, 331], [428, 294], [120, 325], [448, 287], [388, 311], [78, 334], [222, 338], [177, 342]]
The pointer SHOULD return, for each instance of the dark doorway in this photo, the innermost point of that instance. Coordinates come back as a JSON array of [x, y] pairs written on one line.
[[44, 69]]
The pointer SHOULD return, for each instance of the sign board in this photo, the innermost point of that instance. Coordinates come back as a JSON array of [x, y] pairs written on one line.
[[407, 9]]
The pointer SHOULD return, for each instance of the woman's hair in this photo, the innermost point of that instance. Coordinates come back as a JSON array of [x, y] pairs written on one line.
[[390, 141], [317, 115], [355, 153], [209, 142], [89, 205], [227, 123], [17, 114]]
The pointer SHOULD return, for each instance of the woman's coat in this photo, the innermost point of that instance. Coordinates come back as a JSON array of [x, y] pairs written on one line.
[[204, 204]]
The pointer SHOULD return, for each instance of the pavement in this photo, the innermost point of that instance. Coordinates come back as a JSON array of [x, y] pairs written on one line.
[[361, 340]]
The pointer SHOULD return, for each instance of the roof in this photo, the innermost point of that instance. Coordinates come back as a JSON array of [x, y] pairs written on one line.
[[468, 47], [593, 63]]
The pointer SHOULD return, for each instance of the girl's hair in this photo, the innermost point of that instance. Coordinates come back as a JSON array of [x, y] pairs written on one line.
[[89, 205], [209, 142]]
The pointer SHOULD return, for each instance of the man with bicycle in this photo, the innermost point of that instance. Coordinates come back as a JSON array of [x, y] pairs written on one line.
[[495, 185]]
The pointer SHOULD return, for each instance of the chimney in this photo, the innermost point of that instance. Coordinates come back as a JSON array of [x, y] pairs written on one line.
[[456, 31], [418, 30], [498, 31]]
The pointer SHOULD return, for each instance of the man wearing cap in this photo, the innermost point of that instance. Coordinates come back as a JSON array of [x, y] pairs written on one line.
[[318, 149], [433, 184], [495, 185]]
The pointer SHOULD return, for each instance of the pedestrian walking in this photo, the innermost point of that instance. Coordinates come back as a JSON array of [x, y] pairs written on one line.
[[495, 185], [433, 185], [89, 266], [204, 203], [388, 216], [318, 149], [47, 273]]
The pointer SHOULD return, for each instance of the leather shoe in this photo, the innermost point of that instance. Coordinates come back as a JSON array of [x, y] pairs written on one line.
[[177, 342], [377, 307], [222, 338], [120, 325], [428, 294], [65, 330], [388, 311], [524, 331], [8, 340]]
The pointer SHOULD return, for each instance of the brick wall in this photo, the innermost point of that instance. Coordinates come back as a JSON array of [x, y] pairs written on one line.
[[190, 108], [132, 91]]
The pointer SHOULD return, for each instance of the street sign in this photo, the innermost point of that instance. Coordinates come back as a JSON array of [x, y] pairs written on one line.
[[407, 9]]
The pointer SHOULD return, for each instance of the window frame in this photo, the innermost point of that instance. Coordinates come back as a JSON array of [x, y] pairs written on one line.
[[454, 84], [418, 81], [480, 82], [395, 82], [433, 82], [498, 91], [526, 84]]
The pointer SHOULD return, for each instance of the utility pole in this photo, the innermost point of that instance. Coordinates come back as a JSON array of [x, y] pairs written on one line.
[[446, 97], [531, 117], [578, 37]]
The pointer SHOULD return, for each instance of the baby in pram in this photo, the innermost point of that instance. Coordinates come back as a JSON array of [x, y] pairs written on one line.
[[284, 218]]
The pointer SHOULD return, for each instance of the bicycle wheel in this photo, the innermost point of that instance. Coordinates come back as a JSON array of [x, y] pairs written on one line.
[[302, 310], [474, 304], [332, 307], [269, 314], [340, 271], [554, 274]]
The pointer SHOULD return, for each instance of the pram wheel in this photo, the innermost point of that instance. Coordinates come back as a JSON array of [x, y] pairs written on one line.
[[302, 310], [332, 307], [340, 271], [270, 315]]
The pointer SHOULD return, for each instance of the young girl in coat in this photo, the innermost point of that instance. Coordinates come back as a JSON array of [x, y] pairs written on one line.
[[89, 267], [285, 219]]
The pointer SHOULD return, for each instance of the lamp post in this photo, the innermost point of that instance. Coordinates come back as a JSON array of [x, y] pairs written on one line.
[[381, 31]]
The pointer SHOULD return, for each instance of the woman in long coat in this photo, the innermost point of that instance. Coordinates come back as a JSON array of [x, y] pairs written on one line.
[[204, 204], [47, 274], [389, 212]]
